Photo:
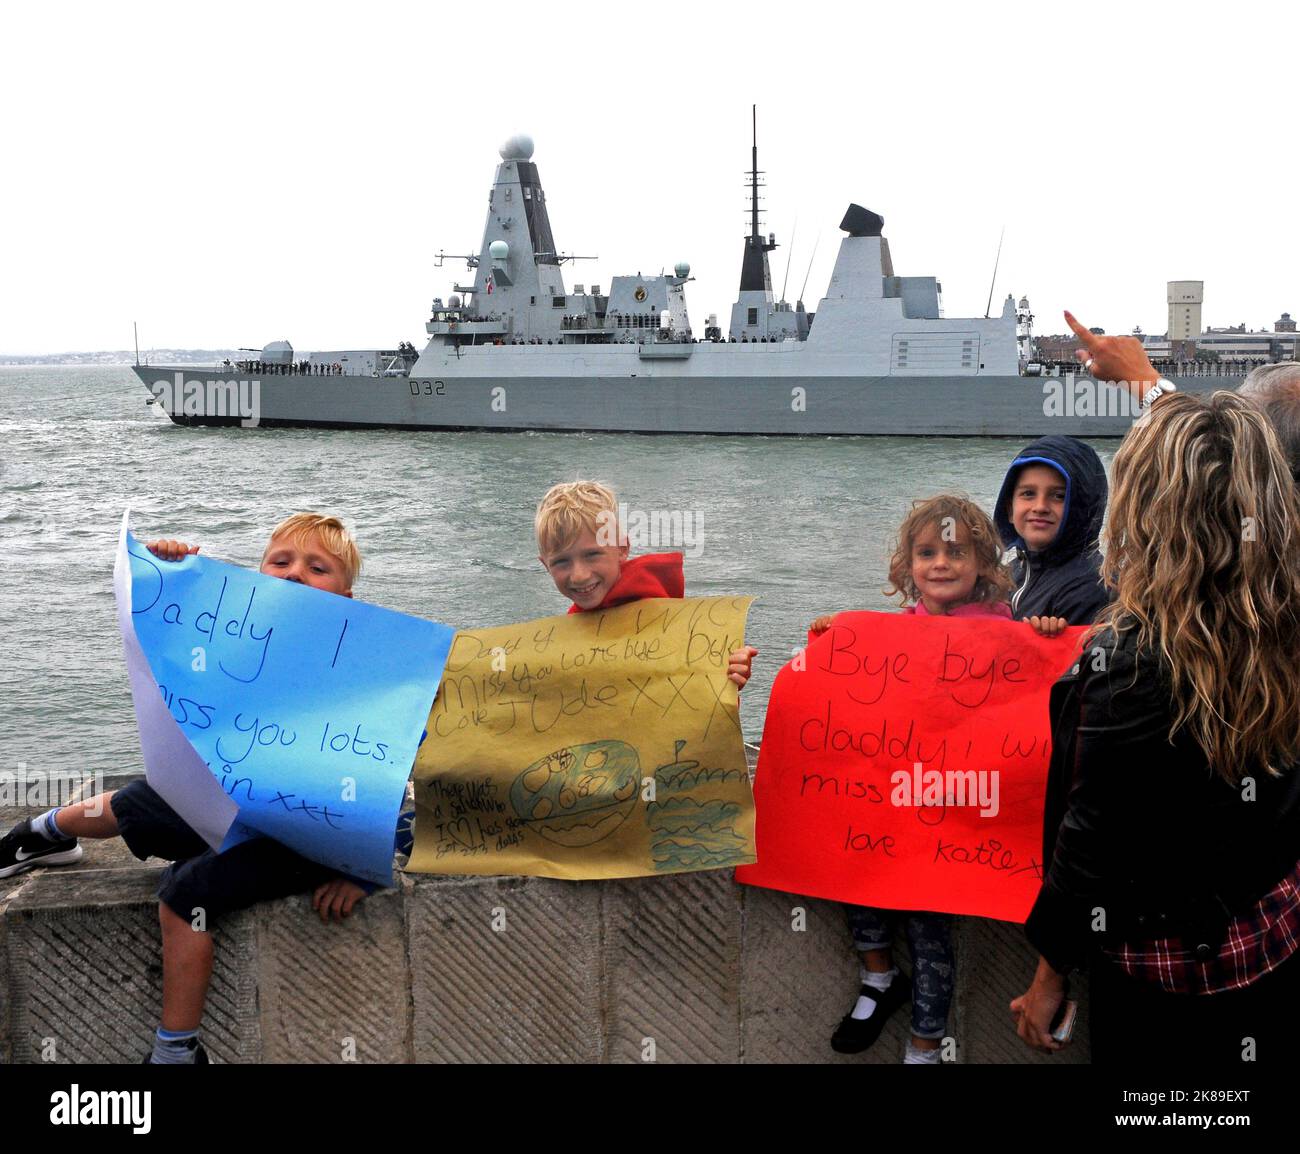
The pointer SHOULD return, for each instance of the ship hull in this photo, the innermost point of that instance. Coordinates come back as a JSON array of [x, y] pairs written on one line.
[[788, 405]]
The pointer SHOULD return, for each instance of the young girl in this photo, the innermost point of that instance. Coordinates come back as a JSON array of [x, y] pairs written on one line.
[[947, 563]]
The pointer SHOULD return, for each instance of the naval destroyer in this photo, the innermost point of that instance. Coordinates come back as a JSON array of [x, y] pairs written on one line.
[[517, 349]]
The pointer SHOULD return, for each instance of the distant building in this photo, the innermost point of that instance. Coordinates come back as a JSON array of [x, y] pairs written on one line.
[[1237, 343], [1284, 324], [1185, 298], [1056, 348], [1164, 349]]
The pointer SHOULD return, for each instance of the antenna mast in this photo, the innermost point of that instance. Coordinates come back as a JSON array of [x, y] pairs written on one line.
[[810, 264], [989, 307], [754, 274], [789, 257]]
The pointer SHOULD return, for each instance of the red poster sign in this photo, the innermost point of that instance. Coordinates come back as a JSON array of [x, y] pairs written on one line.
[[904, 765]]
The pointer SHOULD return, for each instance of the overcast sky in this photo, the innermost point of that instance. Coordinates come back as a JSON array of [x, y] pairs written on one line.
[[233, 174]]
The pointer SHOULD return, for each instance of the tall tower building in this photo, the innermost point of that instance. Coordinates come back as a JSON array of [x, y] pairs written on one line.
[[1185, 298]]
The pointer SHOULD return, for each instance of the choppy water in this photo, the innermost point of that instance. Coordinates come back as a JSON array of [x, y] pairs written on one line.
[[444, 521]]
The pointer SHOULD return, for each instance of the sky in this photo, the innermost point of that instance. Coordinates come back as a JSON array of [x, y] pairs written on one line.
[[228, 175]]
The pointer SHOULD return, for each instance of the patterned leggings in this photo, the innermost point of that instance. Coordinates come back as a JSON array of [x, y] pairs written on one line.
[[929, 937]]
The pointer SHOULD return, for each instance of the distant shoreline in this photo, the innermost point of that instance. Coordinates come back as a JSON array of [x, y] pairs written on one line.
[[122, 358]]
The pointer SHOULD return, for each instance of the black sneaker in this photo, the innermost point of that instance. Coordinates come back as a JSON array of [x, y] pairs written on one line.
[[20, 849], [200, 1054], [853, 1035]]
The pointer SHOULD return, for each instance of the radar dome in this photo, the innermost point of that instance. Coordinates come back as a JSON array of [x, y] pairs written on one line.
[[498, 250], [454, 302], [519, 147], [682, 269]]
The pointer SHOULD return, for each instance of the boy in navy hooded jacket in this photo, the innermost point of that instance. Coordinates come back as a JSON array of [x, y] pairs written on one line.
[[1050, 511]]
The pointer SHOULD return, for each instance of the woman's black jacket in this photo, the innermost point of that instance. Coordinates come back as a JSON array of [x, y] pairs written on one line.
[[1142, 839]]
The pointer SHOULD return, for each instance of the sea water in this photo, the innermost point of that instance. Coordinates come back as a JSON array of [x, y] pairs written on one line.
[[444, 521]]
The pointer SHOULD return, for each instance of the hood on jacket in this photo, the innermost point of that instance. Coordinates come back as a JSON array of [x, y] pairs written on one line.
[[1085, 495]]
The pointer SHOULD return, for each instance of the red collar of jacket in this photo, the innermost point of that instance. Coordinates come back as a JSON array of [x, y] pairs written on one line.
[[650, 575]]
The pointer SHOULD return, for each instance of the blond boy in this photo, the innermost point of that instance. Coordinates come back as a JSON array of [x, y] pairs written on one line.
[[583, 547], [309, 549]]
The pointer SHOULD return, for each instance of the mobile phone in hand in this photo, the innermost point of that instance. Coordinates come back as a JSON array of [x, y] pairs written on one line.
[[1063, 1023]]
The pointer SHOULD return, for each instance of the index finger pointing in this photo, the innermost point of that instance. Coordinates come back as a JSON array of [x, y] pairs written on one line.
[[1089, 339]]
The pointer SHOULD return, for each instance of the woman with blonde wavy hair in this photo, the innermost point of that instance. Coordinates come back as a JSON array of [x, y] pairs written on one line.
[[1172, 826]]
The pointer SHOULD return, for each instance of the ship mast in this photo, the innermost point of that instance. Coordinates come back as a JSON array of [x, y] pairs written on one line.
[[754, 275]]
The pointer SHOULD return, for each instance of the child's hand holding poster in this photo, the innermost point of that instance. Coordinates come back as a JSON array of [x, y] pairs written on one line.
[[594, 745], [904, 765]]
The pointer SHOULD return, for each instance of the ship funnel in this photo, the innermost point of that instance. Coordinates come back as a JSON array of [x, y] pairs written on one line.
[[859, 221]]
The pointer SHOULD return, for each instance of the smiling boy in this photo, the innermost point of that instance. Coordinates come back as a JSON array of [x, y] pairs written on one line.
[[1050, 511], [580, 545]]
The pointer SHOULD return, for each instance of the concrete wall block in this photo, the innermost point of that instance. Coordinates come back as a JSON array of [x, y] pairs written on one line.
[[797, 984], [231, 1029], [85, 975], [336, 992], [85, 971], [672, 959], [526, 991]]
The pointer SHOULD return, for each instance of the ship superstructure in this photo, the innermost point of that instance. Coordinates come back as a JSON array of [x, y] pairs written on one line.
[[890, 325], [518, 296]]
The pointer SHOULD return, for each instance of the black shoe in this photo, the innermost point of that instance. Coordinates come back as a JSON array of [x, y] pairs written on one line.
[[200, 1055], [20, 849], [853, 1035]]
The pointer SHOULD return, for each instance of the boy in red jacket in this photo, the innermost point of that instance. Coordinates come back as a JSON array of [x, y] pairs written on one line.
[[584, 549]]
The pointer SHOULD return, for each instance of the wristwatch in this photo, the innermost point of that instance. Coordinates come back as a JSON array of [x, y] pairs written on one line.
[[1159, 389]]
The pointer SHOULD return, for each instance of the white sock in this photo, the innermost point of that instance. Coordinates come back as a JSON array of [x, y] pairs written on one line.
[[876, 981], [174, 1047], [918, 1057], [48, 828]]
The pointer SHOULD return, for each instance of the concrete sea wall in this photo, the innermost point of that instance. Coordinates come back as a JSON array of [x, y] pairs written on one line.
[[685, 968]]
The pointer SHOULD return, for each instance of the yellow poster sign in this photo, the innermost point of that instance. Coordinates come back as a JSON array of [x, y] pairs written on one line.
[[596, 745]]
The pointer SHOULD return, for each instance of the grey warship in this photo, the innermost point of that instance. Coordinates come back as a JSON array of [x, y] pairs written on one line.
[[518, 350]]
